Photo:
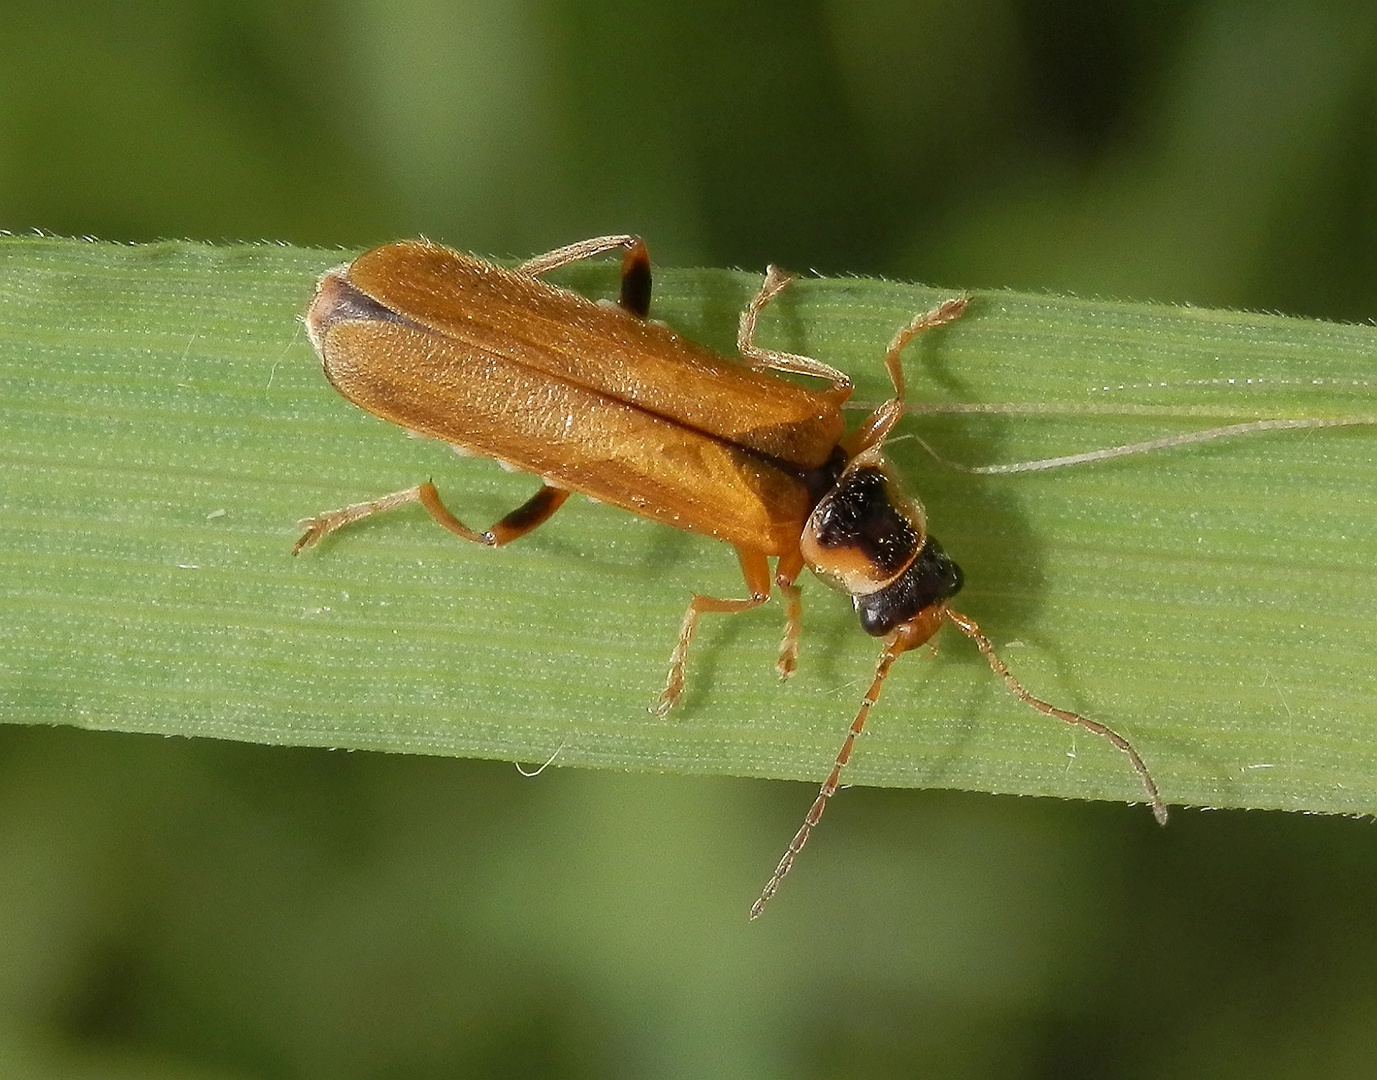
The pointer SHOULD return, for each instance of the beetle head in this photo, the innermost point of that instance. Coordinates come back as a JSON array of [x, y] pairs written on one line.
[[869, 539]]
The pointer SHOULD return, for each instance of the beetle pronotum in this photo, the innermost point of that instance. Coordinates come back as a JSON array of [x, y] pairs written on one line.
[[599, 400]]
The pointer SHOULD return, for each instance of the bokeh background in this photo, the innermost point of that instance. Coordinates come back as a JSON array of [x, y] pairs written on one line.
[[182, 909]]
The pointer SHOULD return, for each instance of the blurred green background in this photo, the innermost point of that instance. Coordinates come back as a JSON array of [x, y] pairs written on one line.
[[185, 909]]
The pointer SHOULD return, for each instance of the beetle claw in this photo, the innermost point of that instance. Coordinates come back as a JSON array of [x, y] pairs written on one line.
[[666, 701], [316, 529]]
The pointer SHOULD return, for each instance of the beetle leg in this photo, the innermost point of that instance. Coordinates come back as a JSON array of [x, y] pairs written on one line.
[[944, 312], [635, 288], [774, 284], [531, 514], [878, 424], [755, 568], [786, 572], [874, 428], [527, 517]]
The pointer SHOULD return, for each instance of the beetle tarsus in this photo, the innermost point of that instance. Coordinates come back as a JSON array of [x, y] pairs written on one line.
[[322, 525], [674, 685], [793, 616], [572, 253], [776, 280]]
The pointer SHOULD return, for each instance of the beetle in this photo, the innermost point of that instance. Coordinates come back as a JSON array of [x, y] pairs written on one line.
[[598, 399]]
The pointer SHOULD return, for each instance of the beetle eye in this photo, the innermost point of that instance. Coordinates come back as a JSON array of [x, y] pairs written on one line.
[[865, 532]]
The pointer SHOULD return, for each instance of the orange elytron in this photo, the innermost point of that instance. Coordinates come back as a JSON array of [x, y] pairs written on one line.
[[596, 399]]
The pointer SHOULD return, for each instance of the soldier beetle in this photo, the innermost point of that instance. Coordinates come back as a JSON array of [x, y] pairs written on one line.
[[596, 399]]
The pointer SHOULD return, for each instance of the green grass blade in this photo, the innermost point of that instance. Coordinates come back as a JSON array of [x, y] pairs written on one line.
[[166, 425]]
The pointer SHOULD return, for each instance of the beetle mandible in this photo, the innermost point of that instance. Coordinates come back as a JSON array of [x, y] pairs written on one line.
[[597, 399]]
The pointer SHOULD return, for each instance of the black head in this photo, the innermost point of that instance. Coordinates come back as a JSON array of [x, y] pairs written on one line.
[[869, 539]]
